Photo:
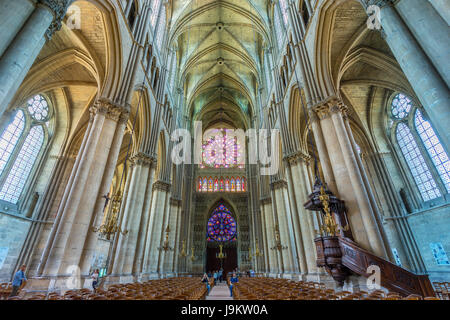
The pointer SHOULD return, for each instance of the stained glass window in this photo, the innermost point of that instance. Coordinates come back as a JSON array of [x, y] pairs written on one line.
[[20, 146], [210, 184], [221, 226], [238, 185], [216, 185], [227, 185], [221, 150], [38, 108], [434, 148], [17, 177], [416, 163], [278, 29], [401, 106], [155, 11], [205, 185], [222, 185], [161, 28], [10, 137], [284, 13], [268, 73]]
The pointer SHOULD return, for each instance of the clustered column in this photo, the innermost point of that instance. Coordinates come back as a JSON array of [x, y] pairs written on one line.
[[423, 76], [350, 186], [21, 53], [135, 218], [67, 240]]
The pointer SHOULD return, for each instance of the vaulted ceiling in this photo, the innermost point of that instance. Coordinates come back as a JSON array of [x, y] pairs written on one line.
[[219, 46]]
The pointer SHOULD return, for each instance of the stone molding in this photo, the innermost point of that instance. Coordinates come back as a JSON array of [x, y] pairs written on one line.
[[143, 159], [175, 202], [380, 3], [59, 10], [278, 184], [297, 157], [327, 107], [110, 110], [161, 185]]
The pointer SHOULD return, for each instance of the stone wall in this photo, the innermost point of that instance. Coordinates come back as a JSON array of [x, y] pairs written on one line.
[[432, 226], [13, 231]]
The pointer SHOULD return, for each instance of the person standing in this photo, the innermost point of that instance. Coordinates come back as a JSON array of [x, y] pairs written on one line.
[[216, 276], [94, 277], [205, 280], [220, 275], [19, 281], [234, 279]]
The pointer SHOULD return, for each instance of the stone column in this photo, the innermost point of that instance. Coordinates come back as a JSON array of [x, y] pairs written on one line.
[[430, 30], [324, 157], [23, 50], [344, 189], [283, 211], [443, 8], [264, 247], [293, 185], [105, 187], [272, 256], [155, 227], [431, 90], [134, 217], [168, 257], [77, 212], [301, 196], [13, 15], [361, 193]]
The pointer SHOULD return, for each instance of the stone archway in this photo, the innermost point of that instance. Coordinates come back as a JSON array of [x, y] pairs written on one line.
[[221, 231]]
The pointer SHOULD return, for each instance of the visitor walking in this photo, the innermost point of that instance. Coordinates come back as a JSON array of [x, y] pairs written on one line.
[[205, 279], [234, 279], [94, 277], [19, 281]]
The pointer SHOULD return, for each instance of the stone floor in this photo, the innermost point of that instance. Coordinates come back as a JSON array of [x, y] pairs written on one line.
[[219, 292]]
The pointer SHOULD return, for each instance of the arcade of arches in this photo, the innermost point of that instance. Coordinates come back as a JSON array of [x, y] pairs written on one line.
[[91, 92]]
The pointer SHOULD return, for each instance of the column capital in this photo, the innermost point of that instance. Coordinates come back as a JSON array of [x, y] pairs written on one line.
[[143, 159], [175, 202], [111, 110], [161, 185], [266, 200], [278, 184], [297, 157], [59, 9], [325, 108]]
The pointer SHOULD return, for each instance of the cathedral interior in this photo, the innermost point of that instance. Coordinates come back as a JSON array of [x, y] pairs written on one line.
[[349, 99]]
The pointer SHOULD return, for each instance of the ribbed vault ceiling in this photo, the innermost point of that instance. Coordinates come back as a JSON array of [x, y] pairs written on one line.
[[219, 46]]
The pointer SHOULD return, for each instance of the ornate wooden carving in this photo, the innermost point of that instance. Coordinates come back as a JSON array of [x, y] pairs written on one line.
[[393, 277], [329, 256], [341, 256]]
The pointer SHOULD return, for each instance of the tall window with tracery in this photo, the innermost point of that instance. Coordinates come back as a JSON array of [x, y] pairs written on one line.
[[161, 28], [278, 28], [155, 12], [21, 144], [284, 13], [413, 134]]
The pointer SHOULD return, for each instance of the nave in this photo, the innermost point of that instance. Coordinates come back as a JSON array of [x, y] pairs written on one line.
[[257, 288]]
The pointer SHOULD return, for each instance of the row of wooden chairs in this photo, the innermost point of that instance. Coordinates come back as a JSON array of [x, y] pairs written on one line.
[[163, 289], [284, 289], [442, 290]]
